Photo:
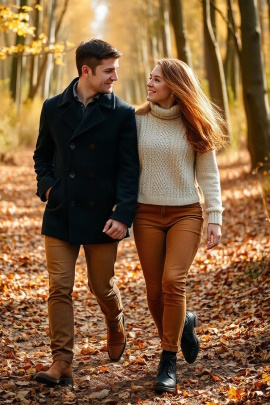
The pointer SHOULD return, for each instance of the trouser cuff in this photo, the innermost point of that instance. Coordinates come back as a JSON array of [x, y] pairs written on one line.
[[170, 348]]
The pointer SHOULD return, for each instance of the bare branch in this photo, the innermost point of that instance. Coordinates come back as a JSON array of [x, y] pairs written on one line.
[[231, 27], [59, 22]]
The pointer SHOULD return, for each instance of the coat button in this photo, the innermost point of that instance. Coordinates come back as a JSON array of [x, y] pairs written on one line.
[[91, 175], [91, 204], [72, 203], [92, 146], [72, 146], [72, 175]]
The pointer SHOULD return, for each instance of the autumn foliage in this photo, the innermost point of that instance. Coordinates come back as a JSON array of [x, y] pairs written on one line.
[[228, 288], [16, 19]]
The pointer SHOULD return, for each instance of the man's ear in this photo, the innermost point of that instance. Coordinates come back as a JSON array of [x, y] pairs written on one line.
[[86, 71]]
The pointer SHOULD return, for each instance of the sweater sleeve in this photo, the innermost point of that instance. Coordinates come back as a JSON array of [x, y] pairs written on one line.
[[207, 176]]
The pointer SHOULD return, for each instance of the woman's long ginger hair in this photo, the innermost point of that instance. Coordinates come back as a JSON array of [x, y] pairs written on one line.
[[204, 124]]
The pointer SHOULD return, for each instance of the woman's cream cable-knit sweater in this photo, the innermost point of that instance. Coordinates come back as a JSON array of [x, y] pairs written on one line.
[[168, 173]]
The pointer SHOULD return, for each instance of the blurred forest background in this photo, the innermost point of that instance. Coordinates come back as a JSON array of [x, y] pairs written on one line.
[[227, 42]]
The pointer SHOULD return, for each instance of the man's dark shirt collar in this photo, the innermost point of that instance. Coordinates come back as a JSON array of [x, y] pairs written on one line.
[[76, 96]]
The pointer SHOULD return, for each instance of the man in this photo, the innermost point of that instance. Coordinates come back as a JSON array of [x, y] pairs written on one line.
[[87, 168], [86, 162]]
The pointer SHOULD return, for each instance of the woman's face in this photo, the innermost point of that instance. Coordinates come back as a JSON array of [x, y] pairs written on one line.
[[158, 91]]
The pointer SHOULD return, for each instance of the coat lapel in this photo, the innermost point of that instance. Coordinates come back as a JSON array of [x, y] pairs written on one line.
[[70, 116], [95, 116], [67, 105], [92, 118]]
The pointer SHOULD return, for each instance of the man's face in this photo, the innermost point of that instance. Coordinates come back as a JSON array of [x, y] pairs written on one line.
[[104, 77]]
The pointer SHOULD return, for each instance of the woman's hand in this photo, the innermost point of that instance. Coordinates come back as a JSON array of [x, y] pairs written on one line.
[[213, 235]]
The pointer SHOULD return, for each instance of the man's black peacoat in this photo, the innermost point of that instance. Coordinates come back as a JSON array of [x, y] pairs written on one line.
[[91, 164]]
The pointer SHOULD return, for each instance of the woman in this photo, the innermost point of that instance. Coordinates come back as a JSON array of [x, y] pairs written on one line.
[[178, 132]]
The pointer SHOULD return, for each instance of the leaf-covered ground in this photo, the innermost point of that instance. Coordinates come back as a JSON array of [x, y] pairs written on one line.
[[228, 288]]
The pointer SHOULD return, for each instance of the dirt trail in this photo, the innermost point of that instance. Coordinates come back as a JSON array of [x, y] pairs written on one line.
[[227, 288]]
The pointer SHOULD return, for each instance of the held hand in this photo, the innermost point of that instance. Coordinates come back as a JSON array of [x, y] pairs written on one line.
[[213, 235], [115, 229], [47, 193]]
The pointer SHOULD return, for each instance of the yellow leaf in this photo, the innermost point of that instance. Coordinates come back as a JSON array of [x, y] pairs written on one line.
[[232, 393], [27, 8], [235, 394], [265, 377]]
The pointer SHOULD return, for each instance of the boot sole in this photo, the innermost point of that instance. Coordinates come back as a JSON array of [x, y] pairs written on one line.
[[51, 382], [161, 389]]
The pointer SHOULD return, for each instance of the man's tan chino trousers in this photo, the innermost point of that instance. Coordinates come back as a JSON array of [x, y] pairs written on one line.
[[61, 260], [167, 240]]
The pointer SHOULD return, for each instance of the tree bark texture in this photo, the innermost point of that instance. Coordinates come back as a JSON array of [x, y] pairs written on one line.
[[231, 63], [164, 25], [254, 84], [214, 67], [16, 66], [182, 44], [152, 32], [34, 59]]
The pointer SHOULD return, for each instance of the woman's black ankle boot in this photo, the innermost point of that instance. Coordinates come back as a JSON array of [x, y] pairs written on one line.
[[166, 377], [190, 344]]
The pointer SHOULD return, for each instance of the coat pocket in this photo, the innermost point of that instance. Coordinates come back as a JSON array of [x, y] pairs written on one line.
[[54, 193]]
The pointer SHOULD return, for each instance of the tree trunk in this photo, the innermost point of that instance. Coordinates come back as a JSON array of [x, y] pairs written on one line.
[[182, 44], [268, 2], [146, 68], [214, 67], [50, 60], [213, 17], [260, 6], [231, 63], [152, 33], [42, 67], [254, 84], [34, 59], [164, 27], [16, 67]]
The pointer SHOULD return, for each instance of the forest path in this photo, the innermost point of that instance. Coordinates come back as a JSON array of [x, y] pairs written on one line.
[[228, 288]]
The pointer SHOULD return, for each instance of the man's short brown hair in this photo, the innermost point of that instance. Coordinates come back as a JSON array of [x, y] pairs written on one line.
[[92, 52]]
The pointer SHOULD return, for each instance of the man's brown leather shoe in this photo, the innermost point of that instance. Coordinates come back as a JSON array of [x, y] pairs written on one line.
[[116, 341], [60, 373]]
